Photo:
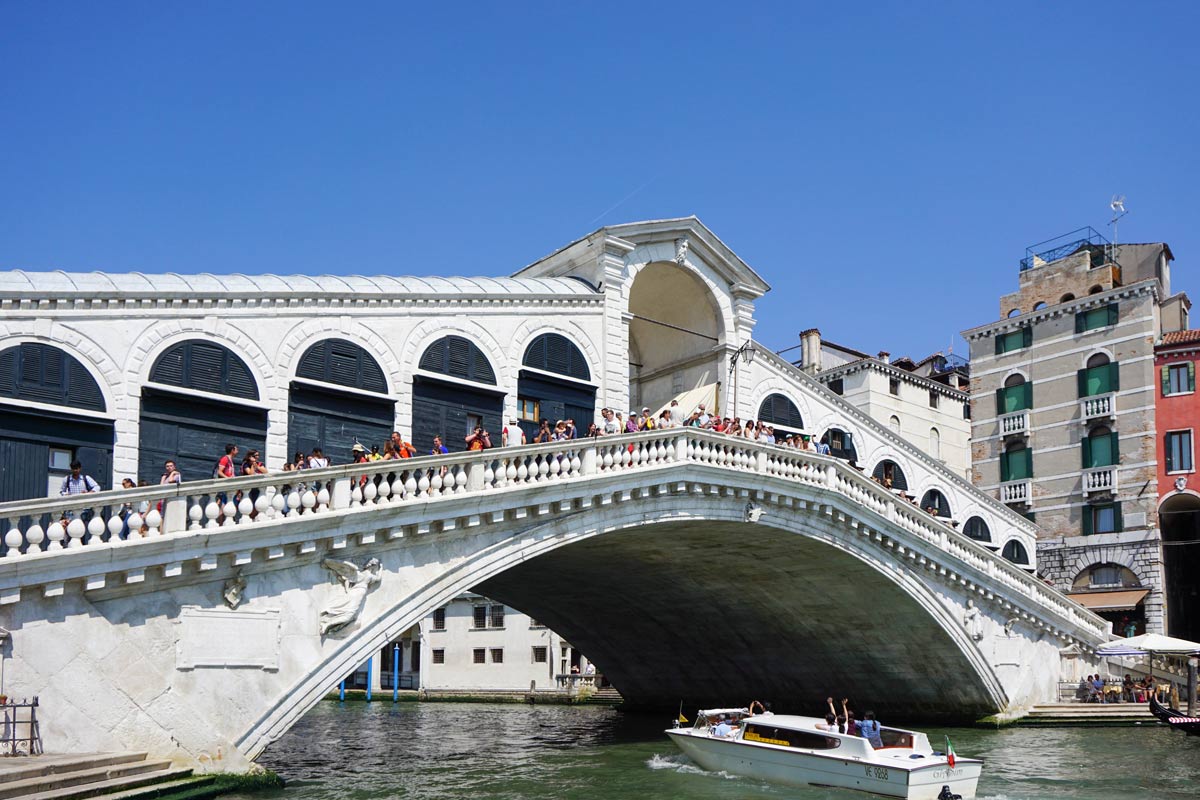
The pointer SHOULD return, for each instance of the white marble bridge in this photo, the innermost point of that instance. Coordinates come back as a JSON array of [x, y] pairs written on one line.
[[686, 564]]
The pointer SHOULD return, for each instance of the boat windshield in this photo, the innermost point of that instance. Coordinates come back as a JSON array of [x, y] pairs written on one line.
[[786, 737], [706, 718]]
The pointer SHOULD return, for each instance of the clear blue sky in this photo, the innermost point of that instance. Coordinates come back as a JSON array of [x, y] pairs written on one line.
[[882, 168]]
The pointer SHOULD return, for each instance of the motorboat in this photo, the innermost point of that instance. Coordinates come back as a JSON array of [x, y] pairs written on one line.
[[792, 750], [1175, 718]]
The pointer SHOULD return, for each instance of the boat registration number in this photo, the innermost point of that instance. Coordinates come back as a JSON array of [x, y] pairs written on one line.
[[879, 773]]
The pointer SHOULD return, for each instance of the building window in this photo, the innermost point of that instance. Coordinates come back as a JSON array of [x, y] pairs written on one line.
[[527, 409], [439, 619], [1095, 318], [478, 655], [1014, 340], [933, 399], [497, 655], [1105, 575], [894, 424], [540, 655], [935, 443], [533, 623], [1017, 395], [966, 410], [1016, 463], [894, 386], [1015, 552], [1179, 451], [496, 617], [439, 656], [1102, 518], [837, 386], [60, 468], [1179, 378], [1101, 448], [480, 617], [1101, 376]]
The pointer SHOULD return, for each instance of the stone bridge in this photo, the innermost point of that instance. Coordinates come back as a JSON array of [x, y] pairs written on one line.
[[686, 564]]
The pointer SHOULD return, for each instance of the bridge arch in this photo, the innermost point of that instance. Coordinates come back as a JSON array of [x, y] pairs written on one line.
[[780, 411], [646, 535]]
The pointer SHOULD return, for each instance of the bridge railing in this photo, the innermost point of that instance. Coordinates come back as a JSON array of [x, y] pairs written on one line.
[[44, 528]]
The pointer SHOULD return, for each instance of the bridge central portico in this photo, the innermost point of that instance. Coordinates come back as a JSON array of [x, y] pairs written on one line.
[[733, 566]]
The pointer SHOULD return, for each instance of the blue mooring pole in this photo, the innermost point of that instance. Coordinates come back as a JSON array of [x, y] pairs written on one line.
[[369, 679], [342, 692], [395, 672]]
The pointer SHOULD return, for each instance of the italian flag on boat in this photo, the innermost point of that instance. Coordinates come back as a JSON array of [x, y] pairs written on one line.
[[949, 753]]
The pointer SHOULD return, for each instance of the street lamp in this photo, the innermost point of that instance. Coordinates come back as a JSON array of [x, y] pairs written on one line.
[[745, 353]]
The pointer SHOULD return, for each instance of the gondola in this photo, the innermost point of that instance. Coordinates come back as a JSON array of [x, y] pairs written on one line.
[[1175, 718]]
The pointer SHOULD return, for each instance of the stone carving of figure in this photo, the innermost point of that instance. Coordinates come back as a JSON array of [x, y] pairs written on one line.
[[234, 590], [356, 582], [972, 622], [753, 512], [1008, 627], [681, 250]]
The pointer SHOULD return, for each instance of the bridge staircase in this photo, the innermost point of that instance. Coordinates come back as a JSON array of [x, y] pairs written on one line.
[[1099, 714], [109, 776]]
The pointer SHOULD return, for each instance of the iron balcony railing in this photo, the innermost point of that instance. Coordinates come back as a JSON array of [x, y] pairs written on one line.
[[1087, 238]]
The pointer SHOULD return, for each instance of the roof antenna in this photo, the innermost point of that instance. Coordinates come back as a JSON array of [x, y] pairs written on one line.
[[1117, 204]]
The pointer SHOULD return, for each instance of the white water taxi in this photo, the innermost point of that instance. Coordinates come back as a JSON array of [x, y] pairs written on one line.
[[791, 750]]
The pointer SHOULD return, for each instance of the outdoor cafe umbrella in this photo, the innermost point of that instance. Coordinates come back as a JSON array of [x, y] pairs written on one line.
[[1149, 644]]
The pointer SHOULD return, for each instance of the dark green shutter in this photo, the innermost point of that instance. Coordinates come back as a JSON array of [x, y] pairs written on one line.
[[1114, 376], [1027, 391], [1087, 452], [1027, 336], [1112, 313], [1166, 380], [1080, 321], [1081, 382], [1000, 394], [1167, 450], [1118, 521], [1087, 520], [999, 344], [1005, 470], [1115, 447], [1191, 376], [1028, 462]]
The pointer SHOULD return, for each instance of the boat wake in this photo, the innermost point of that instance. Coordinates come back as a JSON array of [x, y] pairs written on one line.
[[683, 765]]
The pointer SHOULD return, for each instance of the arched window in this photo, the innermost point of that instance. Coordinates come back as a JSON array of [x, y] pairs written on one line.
[[41, 373], [459, 358], [1066, 298], [555, 353], [206, 367], [935, 443], [840, 443], [1016, 379], [343, 363], [1098, 360], [1038, 306], [1016, 464], [1014, 551], [936, 503], [1106, 576], [1016, 312], [894, 424], [779, 410], [1100, 448], [888, 473], [977, 529], [1097, 289]]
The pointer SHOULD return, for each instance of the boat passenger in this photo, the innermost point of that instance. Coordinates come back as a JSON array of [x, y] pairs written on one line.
[[830, 724], [869, 729], [840, 718], [723, 728], [764, 709], [851, 723]]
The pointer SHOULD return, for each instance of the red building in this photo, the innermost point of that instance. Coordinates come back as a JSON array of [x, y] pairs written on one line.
[[1177, 423]]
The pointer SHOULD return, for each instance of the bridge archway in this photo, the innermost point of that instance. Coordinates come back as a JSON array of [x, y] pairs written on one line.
[[1179, 518], [676, 328]]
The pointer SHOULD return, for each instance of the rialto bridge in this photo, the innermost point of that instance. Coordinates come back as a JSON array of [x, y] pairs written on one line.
[[686, 564]]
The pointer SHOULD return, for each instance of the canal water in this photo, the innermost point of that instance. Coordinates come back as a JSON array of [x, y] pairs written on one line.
[[446, 751]]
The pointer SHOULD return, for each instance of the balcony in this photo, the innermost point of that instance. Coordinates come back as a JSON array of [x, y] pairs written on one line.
[[1100, 406], [1018, 492], [1100, 480], [1015, 424]]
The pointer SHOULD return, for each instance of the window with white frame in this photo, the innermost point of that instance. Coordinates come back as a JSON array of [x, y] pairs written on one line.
[[1179, 378], [540, 655], [1179, 451]]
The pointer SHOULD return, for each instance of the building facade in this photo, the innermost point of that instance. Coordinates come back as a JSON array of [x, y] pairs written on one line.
[[1178, 421], [1063, 399], [926, 402]]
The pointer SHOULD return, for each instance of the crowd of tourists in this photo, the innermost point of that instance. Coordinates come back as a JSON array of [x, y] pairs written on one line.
[[1097, 689]]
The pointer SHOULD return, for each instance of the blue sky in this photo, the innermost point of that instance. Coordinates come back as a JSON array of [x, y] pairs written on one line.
[[882, 165]]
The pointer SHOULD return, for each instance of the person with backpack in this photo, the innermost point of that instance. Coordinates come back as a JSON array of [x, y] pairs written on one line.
[[77, 482]]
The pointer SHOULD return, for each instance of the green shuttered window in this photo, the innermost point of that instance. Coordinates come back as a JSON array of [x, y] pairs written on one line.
[[1096, 318], [1016, 465], [1101, 450], [1014, 398], [1014, 340], [1099, 380], [1179, 378], [1102, 518]]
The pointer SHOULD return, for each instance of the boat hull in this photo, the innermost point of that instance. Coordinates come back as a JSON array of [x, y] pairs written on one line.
[[799, 768]]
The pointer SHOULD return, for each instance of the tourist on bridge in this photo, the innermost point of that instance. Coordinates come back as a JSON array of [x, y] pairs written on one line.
[[479, 439], [544, 433], [77, 482], [611, 425], [438, 449], [171, 474], [512, 434]]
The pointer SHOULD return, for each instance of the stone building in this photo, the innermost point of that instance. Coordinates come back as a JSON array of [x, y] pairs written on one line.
[[926, 401], [1063, 391]]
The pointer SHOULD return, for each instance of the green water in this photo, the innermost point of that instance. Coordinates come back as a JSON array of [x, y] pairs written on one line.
[[444, 751]]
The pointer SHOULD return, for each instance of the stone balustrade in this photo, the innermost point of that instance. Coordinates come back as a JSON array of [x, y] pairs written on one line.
[[1100, 479], [1014, 424], [1016, 492], [1097, 407]]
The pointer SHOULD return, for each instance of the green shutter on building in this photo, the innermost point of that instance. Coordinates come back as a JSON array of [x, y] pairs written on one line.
[[1166, 380], [1114, 448], [1027, 336], [1005, 470], [1114, 377], [1191, 376], [1112, 313], [999, 344], [1080, 321], [1086, 463], [1027, 390], [1118, 521], [1028, 451], [1081, 382], [1087, 520]]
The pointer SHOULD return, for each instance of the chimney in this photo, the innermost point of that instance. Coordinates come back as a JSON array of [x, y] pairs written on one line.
[[885, 356], [810, 351]]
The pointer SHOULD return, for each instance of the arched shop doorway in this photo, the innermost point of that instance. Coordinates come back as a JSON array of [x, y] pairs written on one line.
[[554, 383], [780, 413], [1114, 592], [49, 407], [338, 397], [1179, 519], [200, 397], [454, 389]]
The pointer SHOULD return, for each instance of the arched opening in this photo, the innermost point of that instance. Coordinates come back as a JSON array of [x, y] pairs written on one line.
[[1066, 298], [890, 474], [1114, 592], [554, 383], [454, 391], [840, 444], [1097, 289], [935, 443], [40, 387], [1016, 312], [781, 413], [323, 413], [675, 329], [1179, 519], [1100, 448], [1015, 552], [1038, 306], [894, 424], [201, 396], [977, 529], [936, 503], [1097, 360], [1100, 375]]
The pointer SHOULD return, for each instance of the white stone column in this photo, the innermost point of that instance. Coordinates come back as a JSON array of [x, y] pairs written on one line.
[[614, 381]]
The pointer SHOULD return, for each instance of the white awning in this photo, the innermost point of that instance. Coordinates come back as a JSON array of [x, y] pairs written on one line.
[[1125, 600]]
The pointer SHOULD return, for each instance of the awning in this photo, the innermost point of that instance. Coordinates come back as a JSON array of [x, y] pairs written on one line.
[[1110, 601]]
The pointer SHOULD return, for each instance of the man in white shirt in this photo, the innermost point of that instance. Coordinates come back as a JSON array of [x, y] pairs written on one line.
[[705, 419]]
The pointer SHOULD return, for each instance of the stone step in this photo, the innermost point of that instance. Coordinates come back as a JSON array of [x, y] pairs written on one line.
[[22, 767], [147, 782], [64, 780], [164, 790]]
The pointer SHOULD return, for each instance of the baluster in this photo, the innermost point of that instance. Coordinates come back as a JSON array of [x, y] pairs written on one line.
[[14, 540], [230, 512], [384, 488], [75, 531], [323, 498], [153, 521], [369, 493], [244, 507], [115, 526]]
